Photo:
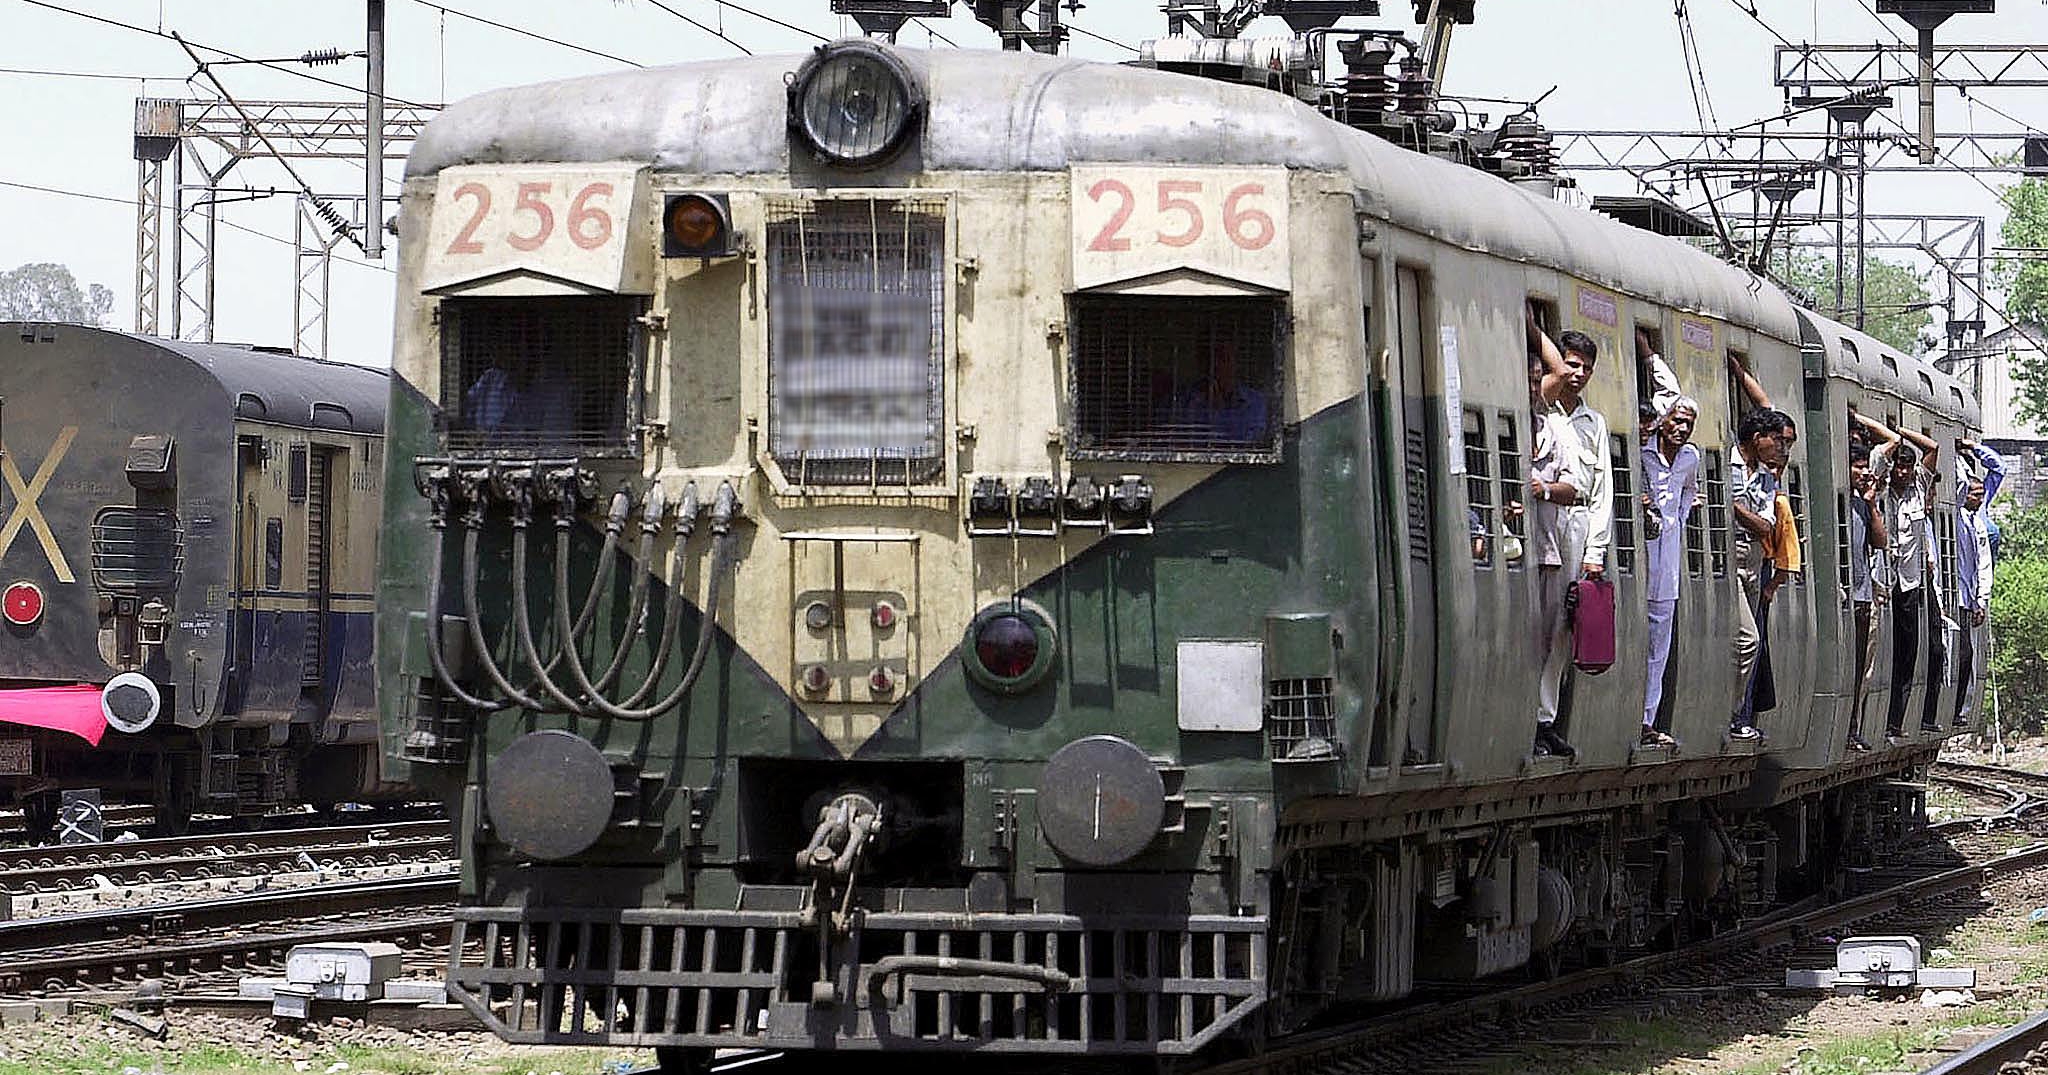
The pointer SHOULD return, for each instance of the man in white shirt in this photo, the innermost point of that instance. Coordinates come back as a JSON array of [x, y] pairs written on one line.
[[1910, 471], [1671, 467], [1573, 515], [1973, 573]]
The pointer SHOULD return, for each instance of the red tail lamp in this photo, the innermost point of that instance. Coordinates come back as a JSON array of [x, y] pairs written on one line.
[[1010, 647], [22, 603]]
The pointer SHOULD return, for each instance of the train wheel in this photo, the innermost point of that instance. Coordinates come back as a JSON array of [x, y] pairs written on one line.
[[676, 1060]]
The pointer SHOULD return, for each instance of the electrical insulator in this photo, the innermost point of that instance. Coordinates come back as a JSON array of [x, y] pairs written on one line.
[[322, 57]]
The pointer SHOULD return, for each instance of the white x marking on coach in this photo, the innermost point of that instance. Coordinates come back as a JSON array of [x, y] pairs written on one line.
[[27, 512]]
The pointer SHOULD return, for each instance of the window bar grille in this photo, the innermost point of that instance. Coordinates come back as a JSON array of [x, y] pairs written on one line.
[[1624, 504], [1717, 514], [1478, 488], [1510, 471]]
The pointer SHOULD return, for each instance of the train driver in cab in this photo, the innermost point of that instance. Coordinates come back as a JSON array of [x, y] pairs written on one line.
[[1572, 482], [1220, 405]]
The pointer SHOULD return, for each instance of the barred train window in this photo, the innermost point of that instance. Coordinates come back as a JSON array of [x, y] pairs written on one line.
[[1624, 539], [856, 340], [1177, 378], [539, 374], [1795, 491], [1478, 488], [1511, 491], [1717, 514]]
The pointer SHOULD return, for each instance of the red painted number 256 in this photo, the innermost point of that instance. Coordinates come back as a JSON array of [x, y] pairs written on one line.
[[1181, 216], [588, 226]]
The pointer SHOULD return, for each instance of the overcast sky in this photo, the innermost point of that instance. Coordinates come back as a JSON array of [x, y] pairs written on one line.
[[1614, 63]]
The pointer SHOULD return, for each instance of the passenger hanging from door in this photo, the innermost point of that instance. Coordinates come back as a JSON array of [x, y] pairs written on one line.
[[1907, 461], [1867, 540], [1973, 571], [1671, 467], [1765, 559], [1571, 483]]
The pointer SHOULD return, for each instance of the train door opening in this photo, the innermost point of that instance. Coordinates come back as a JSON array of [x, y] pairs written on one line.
[[1420, 436]]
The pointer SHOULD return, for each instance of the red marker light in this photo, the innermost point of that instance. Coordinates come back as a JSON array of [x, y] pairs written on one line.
[[884, 615], [23, 604], [1007, 646]]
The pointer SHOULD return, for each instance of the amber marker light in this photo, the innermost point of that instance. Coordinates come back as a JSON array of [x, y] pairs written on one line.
[[696, 225]]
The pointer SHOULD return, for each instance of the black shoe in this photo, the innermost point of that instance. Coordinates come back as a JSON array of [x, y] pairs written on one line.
[[1654, 738], [1744, 732], [1961, 723], [1857, 744], [1894, 736], [1548, 742]]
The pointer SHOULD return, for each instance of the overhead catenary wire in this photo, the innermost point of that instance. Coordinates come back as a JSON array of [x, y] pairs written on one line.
[[131, 203], [712, 30], [1944, 157], [524, 32], [1084, 32], [169, 35]]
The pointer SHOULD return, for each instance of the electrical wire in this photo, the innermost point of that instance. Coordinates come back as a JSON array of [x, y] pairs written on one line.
[[1944, 157], [523, 32], [131, 203], [82, 74], [171, 36], [745, 10], [719, 34], [1695, 69], [1105, 40]]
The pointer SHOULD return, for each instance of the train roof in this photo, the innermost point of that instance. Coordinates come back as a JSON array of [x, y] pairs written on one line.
[[1878, 366], [1024, 111], [264, 384]]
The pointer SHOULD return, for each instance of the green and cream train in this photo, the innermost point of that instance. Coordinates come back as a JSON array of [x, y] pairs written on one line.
[[963, 551]]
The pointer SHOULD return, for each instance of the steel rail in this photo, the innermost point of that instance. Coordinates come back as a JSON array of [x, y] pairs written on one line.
[[41, 880], [21, 937], [114, 854], [1989, 1057], [1318, 1051]]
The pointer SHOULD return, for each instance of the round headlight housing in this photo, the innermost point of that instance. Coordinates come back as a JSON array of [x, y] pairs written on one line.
[[1010, 647], [854, 103]]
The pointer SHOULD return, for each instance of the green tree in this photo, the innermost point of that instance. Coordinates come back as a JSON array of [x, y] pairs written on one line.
[[1895, 297], [46, 291], [2019, 618], [2024, 280]]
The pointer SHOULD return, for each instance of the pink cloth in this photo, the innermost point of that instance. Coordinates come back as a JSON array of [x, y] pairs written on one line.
[[63, 709]]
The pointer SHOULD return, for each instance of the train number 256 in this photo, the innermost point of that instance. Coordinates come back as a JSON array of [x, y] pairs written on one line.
[[1181, 213], [586, 218]]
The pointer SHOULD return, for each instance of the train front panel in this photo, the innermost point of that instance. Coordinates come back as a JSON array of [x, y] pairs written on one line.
[[872, 593]]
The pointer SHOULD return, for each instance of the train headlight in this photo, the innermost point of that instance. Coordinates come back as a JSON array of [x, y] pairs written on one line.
[[1010, 647], [23, 604], [854, 103]]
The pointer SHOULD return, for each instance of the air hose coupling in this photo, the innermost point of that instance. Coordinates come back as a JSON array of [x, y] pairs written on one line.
[[725, 507], [652, 508], [687, 508]]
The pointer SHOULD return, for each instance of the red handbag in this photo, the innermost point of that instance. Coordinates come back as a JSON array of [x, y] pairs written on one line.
[[1592, 612]]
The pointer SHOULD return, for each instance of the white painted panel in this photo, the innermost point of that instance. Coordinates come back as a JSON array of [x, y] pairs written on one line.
[[1221, 685]]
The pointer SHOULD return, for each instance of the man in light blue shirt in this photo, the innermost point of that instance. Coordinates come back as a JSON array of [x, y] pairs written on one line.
[[1973, 573]]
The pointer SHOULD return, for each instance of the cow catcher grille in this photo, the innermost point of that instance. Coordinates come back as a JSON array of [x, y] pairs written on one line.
[[646, 977]]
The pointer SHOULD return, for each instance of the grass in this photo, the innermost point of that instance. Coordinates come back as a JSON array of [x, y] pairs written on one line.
[[86, 1055]]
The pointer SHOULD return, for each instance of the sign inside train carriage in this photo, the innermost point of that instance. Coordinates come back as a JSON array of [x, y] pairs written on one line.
[[1133, 222], [568, 223]]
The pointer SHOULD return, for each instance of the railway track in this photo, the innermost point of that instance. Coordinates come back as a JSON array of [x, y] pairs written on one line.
[[1990, 1056], [26, 870], [1467, 1030], [127, 944]]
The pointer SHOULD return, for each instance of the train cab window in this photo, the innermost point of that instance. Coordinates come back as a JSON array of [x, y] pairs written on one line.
[[856, 340], [547, 374], [1479, 507], [273, 553], [1176, 378], [1507, 450], [1717, 513], [1625, 503]]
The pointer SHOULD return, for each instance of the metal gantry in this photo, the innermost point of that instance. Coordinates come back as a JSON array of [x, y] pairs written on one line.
[[208, 140]]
